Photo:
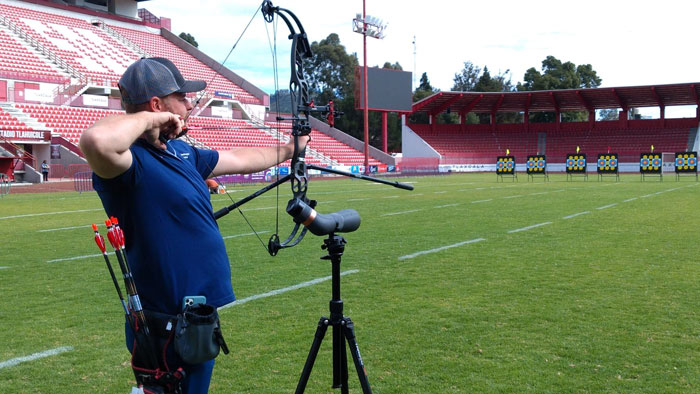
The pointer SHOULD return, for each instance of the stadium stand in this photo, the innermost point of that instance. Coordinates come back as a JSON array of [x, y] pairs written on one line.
[[73, 52], [472, 144], [190, 67]]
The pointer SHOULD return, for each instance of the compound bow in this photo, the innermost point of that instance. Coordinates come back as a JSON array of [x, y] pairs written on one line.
[[300, 207]]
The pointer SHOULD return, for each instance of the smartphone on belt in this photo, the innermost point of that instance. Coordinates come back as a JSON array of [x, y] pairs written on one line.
[[192, 301]]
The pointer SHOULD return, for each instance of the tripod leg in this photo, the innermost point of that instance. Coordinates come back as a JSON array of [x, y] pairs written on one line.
[[340, 357], [311, 358], [349, 329]]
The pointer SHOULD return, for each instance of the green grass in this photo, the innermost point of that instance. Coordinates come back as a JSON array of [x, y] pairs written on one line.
[[605, 301]]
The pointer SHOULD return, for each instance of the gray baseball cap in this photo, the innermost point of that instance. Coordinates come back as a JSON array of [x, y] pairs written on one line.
[[155, 77]]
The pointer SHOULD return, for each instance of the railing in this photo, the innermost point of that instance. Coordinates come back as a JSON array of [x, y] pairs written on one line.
[[4, 185], [41, 48], [102, 25], [16, 150]]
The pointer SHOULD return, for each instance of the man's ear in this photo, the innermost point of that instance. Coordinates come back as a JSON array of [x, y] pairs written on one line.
[[155, 104]]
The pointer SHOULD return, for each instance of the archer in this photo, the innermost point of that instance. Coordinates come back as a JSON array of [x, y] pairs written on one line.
[[156, 186]]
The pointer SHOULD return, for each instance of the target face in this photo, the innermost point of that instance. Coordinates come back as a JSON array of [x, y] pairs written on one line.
[[576, 163], [505, 165], [686, 162], [650, 163], [607, 163], [537, 164]]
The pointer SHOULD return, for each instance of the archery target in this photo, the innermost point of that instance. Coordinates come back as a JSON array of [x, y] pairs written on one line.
[[576, 163], [505, 165], [537, 164], [686, 162], [650, 163], [607, 163]]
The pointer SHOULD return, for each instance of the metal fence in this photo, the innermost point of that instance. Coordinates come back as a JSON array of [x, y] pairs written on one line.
[[82, 181], [4, 185]]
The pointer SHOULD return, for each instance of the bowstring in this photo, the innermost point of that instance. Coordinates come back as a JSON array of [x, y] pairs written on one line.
[[201, 95], [273, 50]]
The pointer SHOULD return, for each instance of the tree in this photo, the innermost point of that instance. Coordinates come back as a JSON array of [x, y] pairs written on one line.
[[423, 90], [466, 79], [558, 75], [189, 38]]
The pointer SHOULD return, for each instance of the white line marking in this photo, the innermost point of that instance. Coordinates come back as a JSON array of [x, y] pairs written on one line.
[[283, 290], [517, 230], [87, 256], [401, 213], [244, 235], [471, 241], [448, 205], [358, 199], [391, 197], [515, 196], [630, 199], [49, 213], [442, 192], [478, 201], [576, 214], [537, 194], [647, 195], [607, 206], [62, 228], [35, 356], [4, 268]]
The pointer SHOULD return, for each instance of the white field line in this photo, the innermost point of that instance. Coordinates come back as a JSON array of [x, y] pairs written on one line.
[[4, 268], [515, 196], [478, 201], [49, 213], [391, 197], [607, 206], [63, 228], [35, 356], [244, 235], [283, 290], [630, 199], [87, 256], [401, 213], [576, 214], [445, 206], [517, 230], [358, 199], [422, 252]]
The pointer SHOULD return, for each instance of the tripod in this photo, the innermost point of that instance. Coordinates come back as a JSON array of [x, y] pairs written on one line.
[[343, 329]]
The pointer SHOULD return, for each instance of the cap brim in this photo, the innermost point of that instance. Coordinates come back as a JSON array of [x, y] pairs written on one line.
[[192, 86]]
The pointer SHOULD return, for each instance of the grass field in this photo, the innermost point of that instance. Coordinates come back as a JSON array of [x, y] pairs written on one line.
[[464, 285]]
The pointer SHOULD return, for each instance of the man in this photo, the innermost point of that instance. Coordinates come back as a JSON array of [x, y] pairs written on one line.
[[155, 186], [45, 171]]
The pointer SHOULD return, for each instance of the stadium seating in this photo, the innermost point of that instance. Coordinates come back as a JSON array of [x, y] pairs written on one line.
[[90, 51], [190, 67], [474, 144]]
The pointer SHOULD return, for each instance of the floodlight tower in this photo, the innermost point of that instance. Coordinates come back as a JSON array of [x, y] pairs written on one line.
[[372, 27]]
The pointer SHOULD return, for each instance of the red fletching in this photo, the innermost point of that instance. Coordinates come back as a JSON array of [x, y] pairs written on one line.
[[119, 233], [99, 240]]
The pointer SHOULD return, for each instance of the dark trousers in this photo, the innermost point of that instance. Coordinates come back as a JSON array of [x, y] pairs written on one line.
[[46, 176]]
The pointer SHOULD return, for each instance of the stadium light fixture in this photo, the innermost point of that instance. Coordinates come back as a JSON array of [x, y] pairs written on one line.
[[368, 26]]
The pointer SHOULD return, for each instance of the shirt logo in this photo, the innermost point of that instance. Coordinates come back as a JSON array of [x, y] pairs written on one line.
[[185, 155]]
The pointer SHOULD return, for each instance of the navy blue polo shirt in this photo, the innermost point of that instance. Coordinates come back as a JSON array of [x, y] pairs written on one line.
[[173, 243]]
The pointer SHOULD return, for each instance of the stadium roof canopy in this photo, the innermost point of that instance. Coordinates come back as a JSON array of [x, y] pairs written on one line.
[[561, 100]]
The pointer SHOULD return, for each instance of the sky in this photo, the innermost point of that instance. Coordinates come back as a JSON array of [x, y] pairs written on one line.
[[627, 42]]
